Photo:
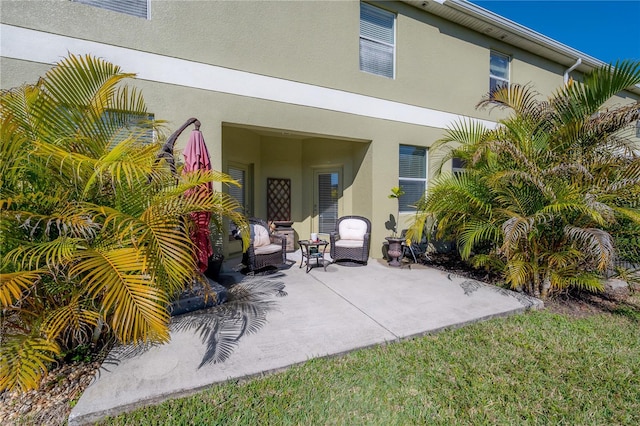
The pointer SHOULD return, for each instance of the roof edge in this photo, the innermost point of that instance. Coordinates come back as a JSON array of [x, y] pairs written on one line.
[[468, 9]]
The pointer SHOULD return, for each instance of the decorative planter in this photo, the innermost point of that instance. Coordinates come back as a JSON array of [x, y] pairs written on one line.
[[215, 265], [395, 250]]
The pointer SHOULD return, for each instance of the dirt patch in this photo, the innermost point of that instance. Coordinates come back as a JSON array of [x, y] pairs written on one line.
[[451, 262], [52, 402]]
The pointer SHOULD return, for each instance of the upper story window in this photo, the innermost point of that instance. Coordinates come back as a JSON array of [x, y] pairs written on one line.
[[457, 165], [498, 70], [122, 125], [413, 176], [139, 8], [377, 40]]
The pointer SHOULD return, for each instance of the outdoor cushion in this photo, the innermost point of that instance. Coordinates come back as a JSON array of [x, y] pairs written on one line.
[[352, 229], [349, 243], [268, 249], [260, 236]]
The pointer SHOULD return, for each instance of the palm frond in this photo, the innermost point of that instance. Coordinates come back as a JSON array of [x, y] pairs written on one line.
[[515, 230], [578, 100], [520, 98], [476, 232], [12, 285], [72, 321], [519, 273], [23, 361], [632, 214], [137, 309], [573, 278], [47, 253], [128, 164], [595, 243]]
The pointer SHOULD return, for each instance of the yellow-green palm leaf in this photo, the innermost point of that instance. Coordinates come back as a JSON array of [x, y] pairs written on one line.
[[116, 277], [23, 360], [12, 285], [70, 321]]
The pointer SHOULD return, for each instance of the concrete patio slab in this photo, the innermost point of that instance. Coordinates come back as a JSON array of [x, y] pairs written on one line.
[[323, 313]]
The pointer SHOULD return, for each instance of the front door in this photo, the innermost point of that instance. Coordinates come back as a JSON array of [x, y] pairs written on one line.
[[327, 201]]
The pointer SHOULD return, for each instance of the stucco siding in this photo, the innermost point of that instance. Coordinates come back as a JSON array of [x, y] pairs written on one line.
[[439, 64]]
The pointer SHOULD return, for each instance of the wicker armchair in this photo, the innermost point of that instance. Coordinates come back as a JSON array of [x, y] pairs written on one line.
[[265, 249], [350, 240]]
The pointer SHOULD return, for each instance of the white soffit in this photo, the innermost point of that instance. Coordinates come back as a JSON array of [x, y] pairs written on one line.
[[36, 46]]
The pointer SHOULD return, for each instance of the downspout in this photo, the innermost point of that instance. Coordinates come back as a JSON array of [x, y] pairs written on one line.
[[573, 67]]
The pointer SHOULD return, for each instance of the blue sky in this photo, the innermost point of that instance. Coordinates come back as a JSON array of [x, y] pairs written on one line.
[[605, 29]]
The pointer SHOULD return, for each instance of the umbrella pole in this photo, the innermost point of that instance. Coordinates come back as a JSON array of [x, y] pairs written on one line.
[[167, 149]]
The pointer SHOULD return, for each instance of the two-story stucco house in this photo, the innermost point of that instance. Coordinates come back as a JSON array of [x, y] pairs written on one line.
[[340, 100]]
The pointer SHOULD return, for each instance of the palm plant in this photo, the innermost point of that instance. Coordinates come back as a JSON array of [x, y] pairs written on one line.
[[541, 192], [95, 231]]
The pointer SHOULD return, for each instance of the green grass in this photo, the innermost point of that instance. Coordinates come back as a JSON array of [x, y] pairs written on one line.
[[538, 368]]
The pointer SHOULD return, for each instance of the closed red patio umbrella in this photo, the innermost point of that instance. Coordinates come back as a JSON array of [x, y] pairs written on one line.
[[196, 157]]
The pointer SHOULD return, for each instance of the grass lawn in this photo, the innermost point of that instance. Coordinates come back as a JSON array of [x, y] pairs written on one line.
[[538, 368]]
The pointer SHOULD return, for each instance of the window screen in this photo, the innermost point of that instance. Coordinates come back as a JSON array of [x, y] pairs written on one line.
[[377, 40], [237, 192], [457, 165], [498, 71], [327, 202], [139, 8], [413, 176]]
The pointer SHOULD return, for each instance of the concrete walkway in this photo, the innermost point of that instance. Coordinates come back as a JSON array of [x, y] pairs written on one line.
[[323, 313]]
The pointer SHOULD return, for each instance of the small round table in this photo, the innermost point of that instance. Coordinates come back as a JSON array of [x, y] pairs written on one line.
[[311, 250]]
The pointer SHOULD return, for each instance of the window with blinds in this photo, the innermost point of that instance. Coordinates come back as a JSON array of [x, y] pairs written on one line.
[[139, 8], [457, 165], [328, 195], [122, 125], [377, 40], [237, 192], [498, 71], [413, 176]]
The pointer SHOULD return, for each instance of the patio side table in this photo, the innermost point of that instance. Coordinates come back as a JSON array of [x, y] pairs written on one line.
[[311, 250]]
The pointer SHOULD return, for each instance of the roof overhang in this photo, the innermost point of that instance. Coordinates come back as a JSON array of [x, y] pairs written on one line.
[[493, 25]]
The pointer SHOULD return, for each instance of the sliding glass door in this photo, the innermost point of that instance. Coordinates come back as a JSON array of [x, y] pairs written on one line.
[[327, 200]]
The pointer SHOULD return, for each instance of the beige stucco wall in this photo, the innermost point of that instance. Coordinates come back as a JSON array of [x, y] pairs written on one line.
[[440, 66]]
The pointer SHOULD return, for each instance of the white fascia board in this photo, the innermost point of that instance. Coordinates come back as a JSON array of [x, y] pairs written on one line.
[[37, 46]]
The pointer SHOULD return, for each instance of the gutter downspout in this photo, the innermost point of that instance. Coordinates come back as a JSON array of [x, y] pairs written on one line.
[[573, 67]]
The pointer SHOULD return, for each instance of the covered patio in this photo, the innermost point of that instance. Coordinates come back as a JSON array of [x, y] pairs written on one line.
[[325, 176]]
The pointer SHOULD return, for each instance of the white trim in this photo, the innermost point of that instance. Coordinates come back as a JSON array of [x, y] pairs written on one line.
[[36, 46]]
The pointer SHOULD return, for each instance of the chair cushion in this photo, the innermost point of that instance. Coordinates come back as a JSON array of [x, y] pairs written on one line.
[[268, 249], [260, 236], [352, 229], [349, 243]]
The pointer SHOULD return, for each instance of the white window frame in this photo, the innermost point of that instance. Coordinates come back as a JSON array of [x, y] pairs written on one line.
[[382, 12], [401, 179], [122, 6], [498, 79]]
